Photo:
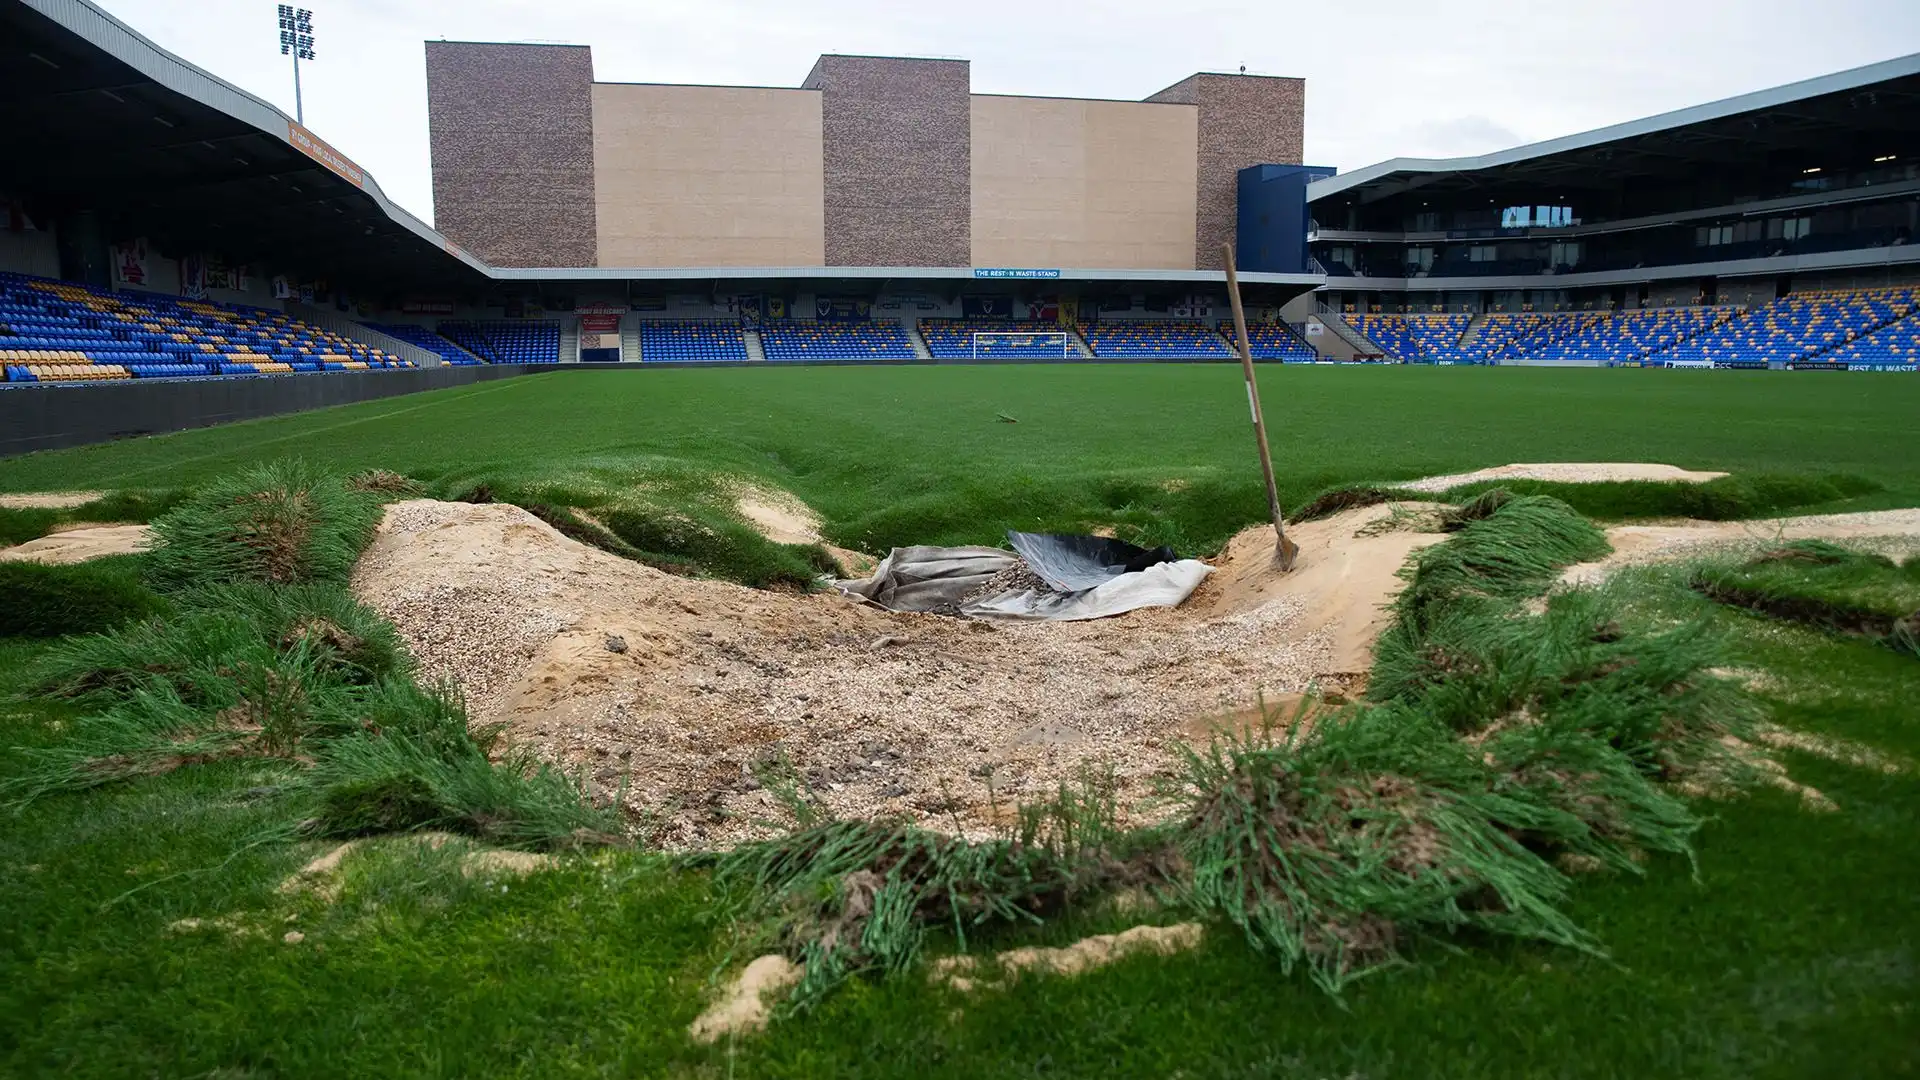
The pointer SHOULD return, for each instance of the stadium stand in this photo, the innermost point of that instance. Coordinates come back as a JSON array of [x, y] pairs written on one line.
[[1897, 342], [1624, 336], [685, 340], [952, 339], [1273, 341], [428, 340], [1502, 335], [1156, 340], [512, 341], [836, 341], [56, 331], [1796, 328], [1416, 339]]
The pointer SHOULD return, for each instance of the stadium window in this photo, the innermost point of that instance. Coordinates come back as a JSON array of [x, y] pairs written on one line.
[[1795, 228], [1566, 253], [1426, 221], [1482, 253], [1420, 258]]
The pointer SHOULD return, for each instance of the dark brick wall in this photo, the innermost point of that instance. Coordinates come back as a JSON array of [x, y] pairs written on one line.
[[1244, 120], [897, 152], [511, 128]]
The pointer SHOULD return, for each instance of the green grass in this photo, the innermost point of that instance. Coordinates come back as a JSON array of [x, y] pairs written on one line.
[[1824, 585], [1793, 951], [40, 600], [918, 455], [1789, 947]]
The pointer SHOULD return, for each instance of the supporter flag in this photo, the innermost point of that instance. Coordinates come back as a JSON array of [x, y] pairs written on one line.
[[282, 288], [193, 277], [218, 274], [130, 262], [776, 307]]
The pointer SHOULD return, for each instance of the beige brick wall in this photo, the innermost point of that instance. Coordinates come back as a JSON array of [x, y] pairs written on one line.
[[707, 176], [1071, 182]]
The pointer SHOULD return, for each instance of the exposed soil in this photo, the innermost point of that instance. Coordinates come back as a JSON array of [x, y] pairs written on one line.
[[1634, 545], [48, 500], [1566, 472], [744, 1005], [943, 721], [963, 973], [321, 876], [78, 543]]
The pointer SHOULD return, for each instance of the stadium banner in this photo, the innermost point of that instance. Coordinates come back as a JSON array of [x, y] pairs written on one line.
[[130, 262], [1316, 329], [986, 307], [417, 307], [599, 324], [1883, 367], [1815, 365], [776, 307], [616, 308], [316, 148], [218, 274], [1069, 310], [283, 290], [842, 309], [193, 277], [1043, 309], [1013, 272]]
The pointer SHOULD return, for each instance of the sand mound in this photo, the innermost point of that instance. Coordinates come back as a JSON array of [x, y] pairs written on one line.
[[48, 500], [778, 516], [744, 1005], [963, 972], [1634, 545], [1566, 472], [78, 544], [934, 719]]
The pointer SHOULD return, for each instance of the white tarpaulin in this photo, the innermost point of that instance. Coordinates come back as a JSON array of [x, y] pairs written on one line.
[[954, 580], [1160, 585]]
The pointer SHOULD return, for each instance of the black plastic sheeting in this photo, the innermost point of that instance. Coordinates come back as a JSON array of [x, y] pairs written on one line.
[[1073, 563]]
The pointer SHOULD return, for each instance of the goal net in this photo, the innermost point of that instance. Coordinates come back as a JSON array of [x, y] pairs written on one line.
[[1021, 343]]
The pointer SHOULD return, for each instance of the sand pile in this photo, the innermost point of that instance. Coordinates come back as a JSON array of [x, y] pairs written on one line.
[[48, 500], [680, 686], [1893, 532], [1566, 472], [80, 542]]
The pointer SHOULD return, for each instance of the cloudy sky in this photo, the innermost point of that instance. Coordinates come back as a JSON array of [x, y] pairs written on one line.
[[1385, 78]]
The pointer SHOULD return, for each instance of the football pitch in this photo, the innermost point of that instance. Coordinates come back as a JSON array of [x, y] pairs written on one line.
[[949, 450], [145, 928]]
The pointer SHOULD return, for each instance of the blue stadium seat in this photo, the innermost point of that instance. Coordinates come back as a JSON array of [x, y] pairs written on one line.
[[786, 340], [1145, 339], [56, 331], [671, 341]]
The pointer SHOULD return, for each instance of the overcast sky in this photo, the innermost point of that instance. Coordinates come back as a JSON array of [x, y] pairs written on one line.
[[1385, 78]]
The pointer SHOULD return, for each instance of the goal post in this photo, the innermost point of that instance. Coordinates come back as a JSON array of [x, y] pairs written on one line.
[[1054, 342]]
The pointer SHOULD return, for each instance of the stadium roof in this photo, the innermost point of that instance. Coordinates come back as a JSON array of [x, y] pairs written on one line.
[[1828, 112], [100, 118]]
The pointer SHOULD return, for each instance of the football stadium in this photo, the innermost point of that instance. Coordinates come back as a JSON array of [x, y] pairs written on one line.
[[779, 580]]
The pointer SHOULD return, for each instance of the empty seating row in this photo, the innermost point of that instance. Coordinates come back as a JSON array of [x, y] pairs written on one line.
[[783, 340], [1796, 328], [1897, 342], [684, 340], [55, 331], [1274, 341], [506, 341], [1164, 340], [426, 339], [1414, 338], [954, 339], [1616, 337]]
